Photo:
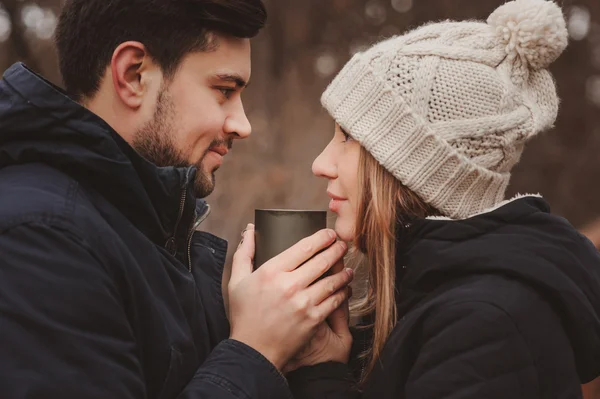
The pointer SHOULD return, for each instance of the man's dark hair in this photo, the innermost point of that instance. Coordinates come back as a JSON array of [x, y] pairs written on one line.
[[89, 31]]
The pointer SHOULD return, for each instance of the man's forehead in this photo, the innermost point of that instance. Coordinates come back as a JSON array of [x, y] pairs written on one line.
[[229, 61], [217, 69]]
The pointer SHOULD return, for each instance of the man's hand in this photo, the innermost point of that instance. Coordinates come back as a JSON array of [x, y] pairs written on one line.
[[277, 309]]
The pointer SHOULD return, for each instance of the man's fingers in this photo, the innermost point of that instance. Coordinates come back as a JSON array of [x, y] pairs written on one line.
[[323, 289], [338, 267], [329, 305], [320, 264], [293, 257]]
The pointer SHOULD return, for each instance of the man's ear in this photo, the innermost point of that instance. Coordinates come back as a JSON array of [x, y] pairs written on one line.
[[128, 64]]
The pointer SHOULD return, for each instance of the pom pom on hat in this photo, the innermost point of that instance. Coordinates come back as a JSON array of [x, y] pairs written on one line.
[[533, 30]]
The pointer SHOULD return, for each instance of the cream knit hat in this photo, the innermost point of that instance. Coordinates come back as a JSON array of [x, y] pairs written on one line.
[[448, 107]]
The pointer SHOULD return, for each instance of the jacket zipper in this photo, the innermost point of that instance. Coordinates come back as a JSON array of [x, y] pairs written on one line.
[[170, 245], [189, 245], [363, 366], [195, 225]]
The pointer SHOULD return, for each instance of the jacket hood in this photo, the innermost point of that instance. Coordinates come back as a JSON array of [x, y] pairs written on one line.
[[520, 240], [39, 123]]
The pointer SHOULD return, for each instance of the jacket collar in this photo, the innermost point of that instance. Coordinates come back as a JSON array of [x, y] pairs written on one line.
[[519, 241], [40, 123], [425, 250]]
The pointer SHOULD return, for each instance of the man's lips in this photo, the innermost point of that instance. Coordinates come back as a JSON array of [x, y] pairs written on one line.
[[222, 151]]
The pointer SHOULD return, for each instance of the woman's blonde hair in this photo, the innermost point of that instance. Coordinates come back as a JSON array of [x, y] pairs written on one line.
[[384, 204]]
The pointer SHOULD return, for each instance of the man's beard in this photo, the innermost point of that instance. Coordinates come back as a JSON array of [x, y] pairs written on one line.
[[154, 142]]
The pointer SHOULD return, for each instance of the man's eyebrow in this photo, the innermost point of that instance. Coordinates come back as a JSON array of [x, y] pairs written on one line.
[[232, 77]]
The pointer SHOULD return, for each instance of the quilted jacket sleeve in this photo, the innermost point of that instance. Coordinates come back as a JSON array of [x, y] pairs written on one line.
[[65, 334], [329, 380], [472, 350]]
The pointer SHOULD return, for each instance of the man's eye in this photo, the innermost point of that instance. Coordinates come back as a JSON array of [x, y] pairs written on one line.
[[227, 92]]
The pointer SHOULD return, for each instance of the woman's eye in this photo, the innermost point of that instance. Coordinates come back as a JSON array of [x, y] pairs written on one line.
[[346, 136]]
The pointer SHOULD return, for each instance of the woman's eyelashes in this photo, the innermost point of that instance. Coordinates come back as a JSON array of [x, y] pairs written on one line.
[[346, 136]]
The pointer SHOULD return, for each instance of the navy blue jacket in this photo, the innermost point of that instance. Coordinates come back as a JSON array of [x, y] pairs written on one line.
[[505, 304], [106, 288]]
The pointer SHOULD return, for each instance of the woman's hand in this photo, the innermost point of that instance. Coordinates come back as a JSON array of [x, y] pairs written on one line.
[[332, 340]]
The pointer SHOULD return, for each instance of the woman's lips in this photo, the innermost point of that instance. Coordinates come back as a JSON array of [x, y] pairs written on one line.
[[335, 203]]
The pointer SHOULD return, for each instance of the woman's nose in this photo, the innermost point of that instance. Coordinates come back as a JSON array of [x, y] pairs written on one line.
[[324, 165]]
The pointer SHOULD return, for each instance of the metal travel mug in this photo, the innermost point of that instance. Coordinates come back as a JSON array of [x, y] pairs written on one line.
[[278, 229]]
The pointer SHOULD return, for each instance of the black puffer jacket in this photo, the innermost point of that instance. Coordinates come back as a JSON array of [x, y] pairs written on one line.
[[502, 305], [106, 289]]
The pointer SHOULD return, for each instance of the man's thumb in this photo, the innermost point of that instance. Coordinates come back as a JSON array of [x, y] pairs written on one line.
[[243, 258]]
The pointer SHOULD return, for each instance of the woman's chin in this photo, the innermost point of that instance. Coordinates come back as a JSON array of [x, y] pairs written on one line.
[[344, 230]]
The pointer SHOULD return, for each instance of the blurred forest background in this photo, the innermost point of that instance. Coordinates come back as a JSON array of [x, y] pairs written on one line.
[[305, 43]]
